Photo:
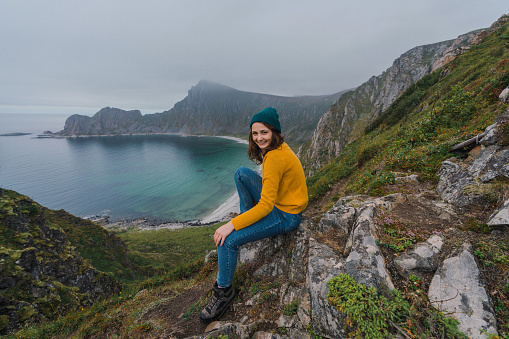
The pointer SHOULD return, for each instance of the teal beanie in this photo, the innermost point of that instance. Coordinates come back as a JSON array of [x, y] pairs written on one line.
[[268, 115]]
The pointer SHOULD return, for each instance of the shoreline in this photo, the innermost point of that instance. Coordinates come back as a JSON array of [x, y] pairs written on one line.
[[56, 136], [223, 213]]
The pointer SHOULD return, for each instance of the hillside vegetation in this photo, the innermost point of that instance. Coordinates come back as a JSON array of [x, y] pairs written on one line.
[[49, 261], [413, 136]]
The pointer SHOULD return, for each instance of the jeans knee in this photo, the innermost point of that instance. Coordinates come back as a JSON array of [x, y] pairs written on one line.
[[230, 244], [241, 171]]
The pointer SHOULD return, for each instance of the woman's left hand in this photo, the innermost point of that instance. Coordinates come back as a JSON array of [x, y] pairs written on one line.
[[222, 232]]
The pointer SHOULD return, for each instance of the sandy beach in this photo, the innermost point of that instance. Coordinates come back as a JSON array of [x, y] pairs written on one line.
[[222, 213]]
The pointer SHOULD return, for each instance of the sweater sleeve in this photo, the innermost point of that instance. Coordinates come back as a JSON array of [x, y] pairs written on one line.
[[273, 169]]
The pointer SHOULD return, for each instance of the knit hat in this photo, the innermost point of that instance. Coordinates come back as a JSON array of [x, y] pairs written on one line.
[[268, 115]]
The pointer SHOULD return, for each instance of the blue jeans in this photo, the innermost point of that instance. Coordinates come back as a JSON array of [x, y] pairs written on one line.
[[249, 188]]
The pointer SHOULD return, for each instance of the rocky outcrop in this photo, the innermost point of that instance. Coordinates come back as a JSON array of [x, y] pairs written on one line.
[[471, 183], [365, 262], [324, 264], [354, 109], [424, 257], [208, 109], [343, 240], [41, 274], [346, 239], [107, 121], [457, 289], [501, 216]]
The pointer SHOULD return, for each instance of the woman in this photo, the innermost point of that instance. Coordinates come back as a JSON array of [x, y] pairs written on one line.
[[269, 206]]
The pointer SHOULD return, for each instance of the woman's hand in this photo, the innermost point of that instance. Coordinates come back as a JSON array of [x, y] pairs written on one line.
[[222, 232]]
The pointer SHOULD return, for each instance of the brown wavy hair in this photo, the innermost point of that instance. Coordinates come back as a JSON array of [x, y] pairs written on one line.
[[255, 153]]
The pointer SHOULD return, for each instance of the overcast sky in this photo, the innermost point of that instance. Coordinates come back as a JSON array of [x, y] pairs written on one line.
[[79, 56]]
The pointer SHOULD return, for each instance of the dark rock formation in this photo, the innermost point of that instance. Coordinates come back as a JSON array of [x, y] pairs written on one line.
[[42, 275]]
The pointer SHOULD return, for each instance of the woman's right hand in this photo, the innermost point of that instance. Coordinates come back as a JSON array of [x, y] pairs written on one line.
[[222, 232]]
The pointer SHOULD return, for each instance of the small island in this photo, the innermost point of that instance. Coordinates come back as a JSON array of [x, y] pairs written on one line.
[[15, 134]]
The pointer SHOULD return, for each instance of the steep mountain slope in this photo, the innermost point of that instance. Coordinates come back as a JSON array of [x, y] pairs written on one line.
[[49, 261], [208, 109], [342, 122], [416, 132]]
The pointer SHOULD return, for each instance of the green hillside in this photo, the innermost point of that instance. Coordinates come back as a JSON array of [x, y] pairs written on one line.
[[415, 134], [52, 262]]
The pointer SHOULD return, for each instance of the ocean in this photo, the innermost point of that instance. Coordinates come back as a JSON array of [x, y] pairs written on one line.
[[159, 177]]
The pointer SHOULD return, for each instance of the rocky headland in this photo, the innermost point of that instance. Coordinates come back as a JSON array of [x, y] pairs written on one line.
[[209, 109]]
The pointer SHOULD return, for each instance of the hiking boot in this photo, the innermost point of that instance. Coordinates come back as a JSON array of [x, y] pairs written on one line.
[[219, 302]]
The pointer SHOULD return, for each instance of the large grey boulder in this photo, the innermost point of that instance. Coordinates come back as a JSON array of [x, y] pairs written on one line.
[[500, 217], [499, 162], [340, 218], [470, 187], [452, 179], [423, 258], [482, 160], [490, 136], [504, 95], [290, 261], [457, 290], [324, 265], [365, 262]]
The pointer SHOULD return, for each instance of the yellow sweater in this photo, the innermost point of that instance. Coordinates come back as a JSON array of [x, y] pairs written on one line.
[[283, 186]]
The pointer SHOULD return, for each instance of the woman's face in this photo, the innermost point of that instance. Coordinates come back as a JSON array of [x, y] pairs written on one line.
[[261, 134]]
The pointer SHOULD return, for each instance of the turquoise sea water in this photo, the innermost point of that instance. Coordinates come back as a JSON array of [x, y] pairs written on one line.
[[160, 177]]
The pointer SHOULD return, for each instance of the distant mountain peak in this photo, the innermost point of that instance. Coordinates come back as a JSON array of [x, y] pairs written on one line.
[[206, 86]]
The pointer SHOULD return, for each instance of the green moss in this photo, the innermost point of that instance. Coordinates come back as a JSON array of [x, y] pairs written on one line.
[[49, 305], [503, 133], [4, 322], [292, 308], [69, 296], [488, 191], [31, 210], [26, 313], [106, 252]]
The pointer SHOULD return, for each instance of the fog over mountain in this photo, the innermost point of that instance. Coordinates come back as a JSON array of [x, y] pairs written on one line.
[[71, 58]]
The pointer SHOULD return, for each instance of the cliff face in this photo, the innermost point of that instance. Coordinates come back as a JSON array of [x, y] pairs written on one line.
[[106, 121], [42, 274], [343, 121], [208, 109]]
